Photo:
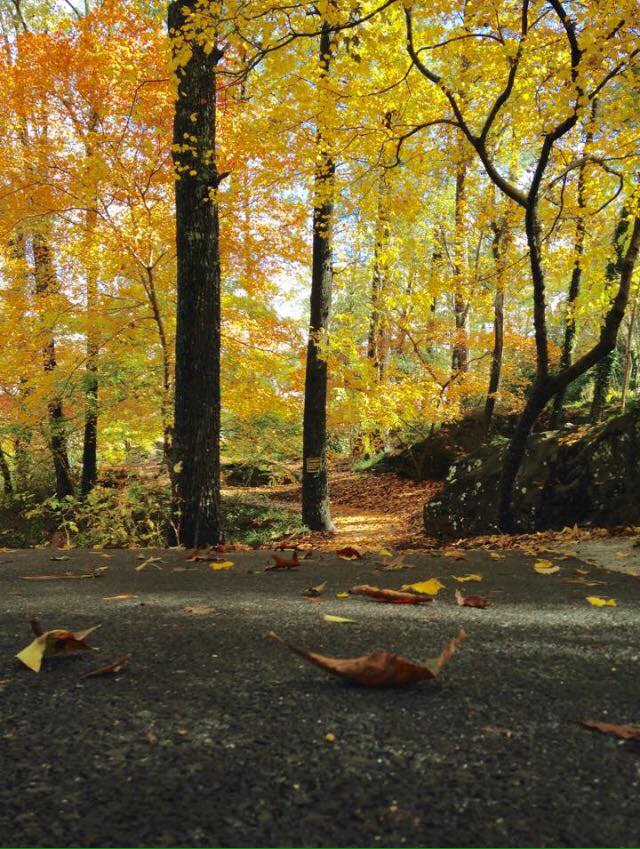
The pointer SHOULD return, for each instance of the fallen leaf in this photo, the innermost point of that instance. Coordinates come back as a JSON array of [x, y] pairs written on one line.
[[478, 601], [328, 617], [122, 597], [621, 554], [624, 732], [581, 571], [152, 738], [379, 669], [59, 557], [349, 552], [545, 567], [283, 563], [389, 596], [342, 595], [463, 579], [110, 668], [430, 587], [221, 567], [495, 556], [67, 576], [601, 602], [57, 641], [330, 738], [495, 729], [454, 554], [314, 592], [197, 555], [584, 582], [383, 552], [394, 565], [150, 561]]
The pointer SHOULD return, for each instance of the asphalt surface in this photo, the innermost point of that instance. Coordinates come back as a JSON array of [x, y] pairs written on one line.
[[213, 736]]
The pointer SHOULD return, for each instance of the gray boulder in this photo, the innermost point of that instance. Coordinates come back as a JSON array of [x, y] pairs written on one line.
[[574, 475]]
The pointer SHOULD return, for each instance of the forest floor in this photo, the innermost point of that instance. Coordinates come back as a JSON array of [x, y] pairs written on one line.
[[212, 735]]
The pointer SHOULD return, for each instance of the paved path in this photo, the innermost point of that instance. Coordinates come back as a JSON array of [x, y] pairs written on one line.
[[215, 737]]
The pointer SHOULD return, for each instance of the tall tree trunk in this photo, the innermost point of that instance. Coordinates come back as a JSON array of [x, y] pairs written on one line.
[[6, 473], [546, 386], [149, 285], [604, 369], [196, 438], [376, 348], [574, 291], [316, 512], [626, 373], [90, 441], [460, 354], [498, 247], [46, 285]]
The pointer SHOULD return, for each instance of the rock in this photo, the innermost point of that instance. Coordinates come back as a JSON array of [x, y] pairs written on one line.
[[575, 475]]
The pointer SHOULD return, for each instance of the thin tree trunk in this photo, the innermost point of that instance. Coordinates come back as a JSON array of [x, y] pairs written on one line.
[[499, 233], [6, 473], [150, 289], [574, 292], [460, 354], [316, 512], [626, 375], [90, 440], [46, 285], [196, 439], [604, 369]]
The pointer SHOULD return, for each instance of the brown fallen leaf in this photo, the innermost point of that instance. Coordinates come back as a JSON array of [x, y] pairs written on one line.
[[197, 610], [283, 563], [624, 732], [198, 554], [454, 554], [379, 669], [389, 596], [59, 557], [394, 565], [57, 641], [67, 576], [582, 580], [314, 592], [110, 669], [478, 601], [349, 552]]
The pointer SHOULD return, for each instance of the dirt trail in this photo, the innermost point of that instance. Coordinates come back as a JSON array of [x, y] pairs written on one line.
[[366, 508]]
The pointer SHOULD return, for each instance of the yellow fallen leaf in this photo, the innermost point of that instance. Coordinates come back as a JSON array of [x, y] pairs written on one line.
[[121, 597], [58, 641], [622, 554], [495, 556], [383, 552], [601, 602], [342, 595], [430, 587], [462, 579], [221, 567], [454, 554], [545, 567], [328, 617]]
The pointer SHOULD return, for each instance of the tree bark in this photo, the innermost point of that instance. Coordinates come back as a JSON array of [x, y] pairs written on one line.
[[574, 292], [90, 441], [460, 354], [6, 474], [316, 511], [46, 285], [626, 374], [196, 439], [499, 233], [605, 368]]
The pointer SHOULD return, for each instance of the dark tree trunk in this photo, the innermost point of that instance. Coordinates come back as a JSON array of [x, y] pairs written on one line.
[[545, 387], [604, 369], [46, 285], [574, 291], [499, 231], [90, 441], [196, 438], [460, 354], [6, 474], [316, 512]]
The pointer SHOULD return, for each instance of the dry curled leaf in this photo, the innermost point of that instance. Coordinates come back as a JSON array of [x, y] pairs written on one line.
[[57, 641], [463, 579], [545, 567], [349, 552], [110, 669], [624, 732], [379, 669], [314, 592], [478, 601], [454, 554], [389, 596], [283, 563]]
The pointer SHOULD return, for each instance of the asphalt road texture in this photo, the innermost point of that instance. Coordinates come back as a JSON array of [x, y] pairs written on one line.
[[214, 736]]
